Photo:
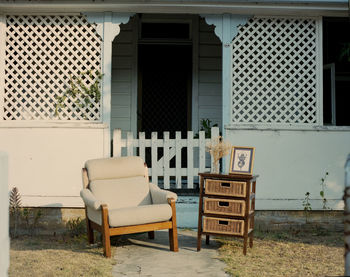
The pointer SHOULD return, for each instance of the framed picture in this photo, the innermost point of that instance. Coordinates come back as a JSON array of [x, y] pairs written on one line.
[[242, 160]]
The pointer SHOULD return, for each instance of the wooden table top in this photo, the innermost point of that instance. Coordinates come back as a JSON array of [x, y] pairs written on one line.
[[228, 176]]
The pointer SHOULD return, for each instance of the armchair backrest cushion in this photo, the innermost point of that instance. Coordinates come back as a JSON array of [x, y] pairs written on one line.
[[113, 168], [119, 182]]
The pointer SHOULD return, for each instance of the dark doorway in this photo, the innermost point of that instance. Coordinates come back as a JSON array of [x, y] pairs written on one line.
[[336, 54], [164, 97]]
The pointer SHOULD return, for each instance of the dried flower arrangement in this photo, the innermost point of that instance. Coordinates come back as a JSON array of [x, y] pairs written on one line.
[[217, 148]]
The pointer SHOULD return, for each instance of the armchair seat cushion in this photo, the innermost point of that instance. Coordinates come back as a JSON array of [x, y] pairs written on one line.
[[139, 215]]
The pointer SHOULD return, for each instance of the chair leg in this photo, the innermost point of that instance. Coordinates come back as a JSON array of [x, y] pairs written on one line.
[[90, 231], [151, 235], [173, 231], [105, 232], [173, 240], [106, 244]]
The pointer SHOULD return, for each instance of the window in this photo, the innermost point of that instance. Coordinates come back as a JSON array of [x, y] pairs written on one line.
[[336, 71], [150, 30]]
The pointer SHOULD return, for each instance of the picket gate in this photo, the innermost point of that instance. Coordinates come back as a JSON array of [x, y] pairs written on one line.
[[161, 170]]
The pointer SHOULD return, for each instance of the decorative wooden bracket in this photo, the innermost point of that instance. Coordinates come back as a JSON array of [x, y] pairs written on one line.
[[226, 25], [108, 20]]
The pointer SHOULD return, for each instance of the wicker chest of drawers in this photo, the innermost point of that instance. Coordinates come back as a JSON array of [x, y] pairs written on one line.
[[226, 207]]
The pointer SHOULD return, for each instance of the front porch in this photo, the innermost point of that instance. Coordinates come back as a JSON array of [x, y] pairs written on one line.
[[258, 76], [166, 82]]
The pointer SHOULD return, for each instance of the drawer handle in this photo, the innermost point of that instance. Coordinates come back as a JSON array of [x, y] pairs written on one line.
[[226, 185], [223, 222], [223, 204]]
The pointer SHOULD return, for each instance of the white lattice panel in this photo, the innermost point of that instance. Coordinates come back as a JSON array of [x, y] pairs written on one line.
[[274, 72], [41, 53]]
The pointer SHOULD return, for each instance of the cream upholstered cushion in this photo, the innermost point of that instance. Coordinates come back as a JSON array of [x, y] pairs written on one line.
[[160, 196], [139, 215], [112, 168], [122, 193]]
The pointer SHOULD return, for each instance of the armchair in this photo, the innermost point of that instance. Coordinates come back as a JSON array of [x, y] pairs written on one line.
[[120, 200]]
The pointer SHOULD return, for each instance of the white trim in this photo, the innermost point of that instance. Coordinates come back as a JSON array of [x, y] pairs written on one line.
[[319, 71], [331, 67], [51, 124], [306, 17], [293, 127], [318, 9], [106, 65], [226, 70], [195, 69], [2, 63], [134, 89]]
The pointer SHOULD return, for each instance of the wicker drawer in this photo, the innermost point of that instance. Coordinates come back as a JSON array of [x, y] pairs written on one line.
[[227, 188], [223, 206], [223, 226]]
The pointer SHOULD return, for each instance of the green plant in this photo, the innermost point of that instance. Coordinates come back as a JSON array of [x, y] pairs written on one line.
[[31, 217], [322, 192], [80, 94], [76, 227], [345, 52], [15, 209], [307, 206], [205, 125]]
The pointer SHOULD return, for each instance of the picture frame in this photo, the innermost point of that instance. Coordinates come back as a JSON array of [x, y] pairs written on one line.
[[242, 160]]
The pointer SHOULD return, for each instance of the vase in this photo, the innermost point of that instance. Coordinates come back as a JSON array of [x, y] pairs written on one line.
[[215, 169]]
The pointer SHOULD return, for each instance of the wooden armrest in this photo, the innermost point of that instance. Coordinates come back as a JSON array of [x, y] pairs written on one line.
[[171, 201]]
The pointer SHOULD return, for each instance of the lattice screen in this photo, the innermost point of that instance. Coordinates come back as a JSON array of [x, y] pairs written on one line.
[[274, 72], [41, 53]]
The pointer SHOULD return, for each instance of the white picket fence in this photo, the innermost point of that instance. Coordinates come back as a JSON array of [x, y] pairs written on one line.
[[160, 166]]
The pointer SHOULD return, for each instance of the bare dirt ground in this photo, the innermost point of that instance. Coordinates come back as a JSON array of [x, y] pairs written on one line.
[[303, 253], [294, 253]]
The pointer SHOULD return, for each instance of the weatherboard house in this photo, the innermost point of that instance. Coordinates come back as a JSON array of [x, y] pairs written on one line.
[[272, 74]]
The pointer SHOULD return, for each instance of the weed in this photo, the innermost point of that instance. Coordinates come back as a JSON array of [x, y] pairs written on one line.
[[15, 209], [322, 192], [31, 218], [307, 206], [76, 227]]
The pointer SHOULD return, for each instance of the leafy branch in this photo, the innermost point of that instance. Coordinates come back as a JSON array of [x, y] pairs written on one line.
[[82, 95]]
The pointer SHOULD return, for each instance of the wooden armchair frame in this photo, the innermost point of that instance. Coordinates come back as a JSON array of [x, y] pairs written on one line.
[[108, 231]]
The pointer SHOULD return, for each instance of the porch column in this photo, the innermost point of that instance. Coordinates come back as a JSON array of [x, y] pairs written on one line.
[[226, 28], [107, 28]]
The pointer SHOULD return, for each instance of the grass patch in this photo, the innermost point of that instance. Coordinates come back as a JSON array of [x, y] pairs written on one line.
[[311, 253], [57, 256]]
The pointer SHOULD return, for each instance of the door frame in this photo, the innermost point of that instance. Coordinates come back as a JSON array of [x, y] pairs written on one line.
[[193, 21]]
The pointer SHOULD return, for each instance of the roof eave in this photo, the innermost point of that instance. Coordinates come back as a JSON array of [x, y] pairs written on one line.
[[188, 7]]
